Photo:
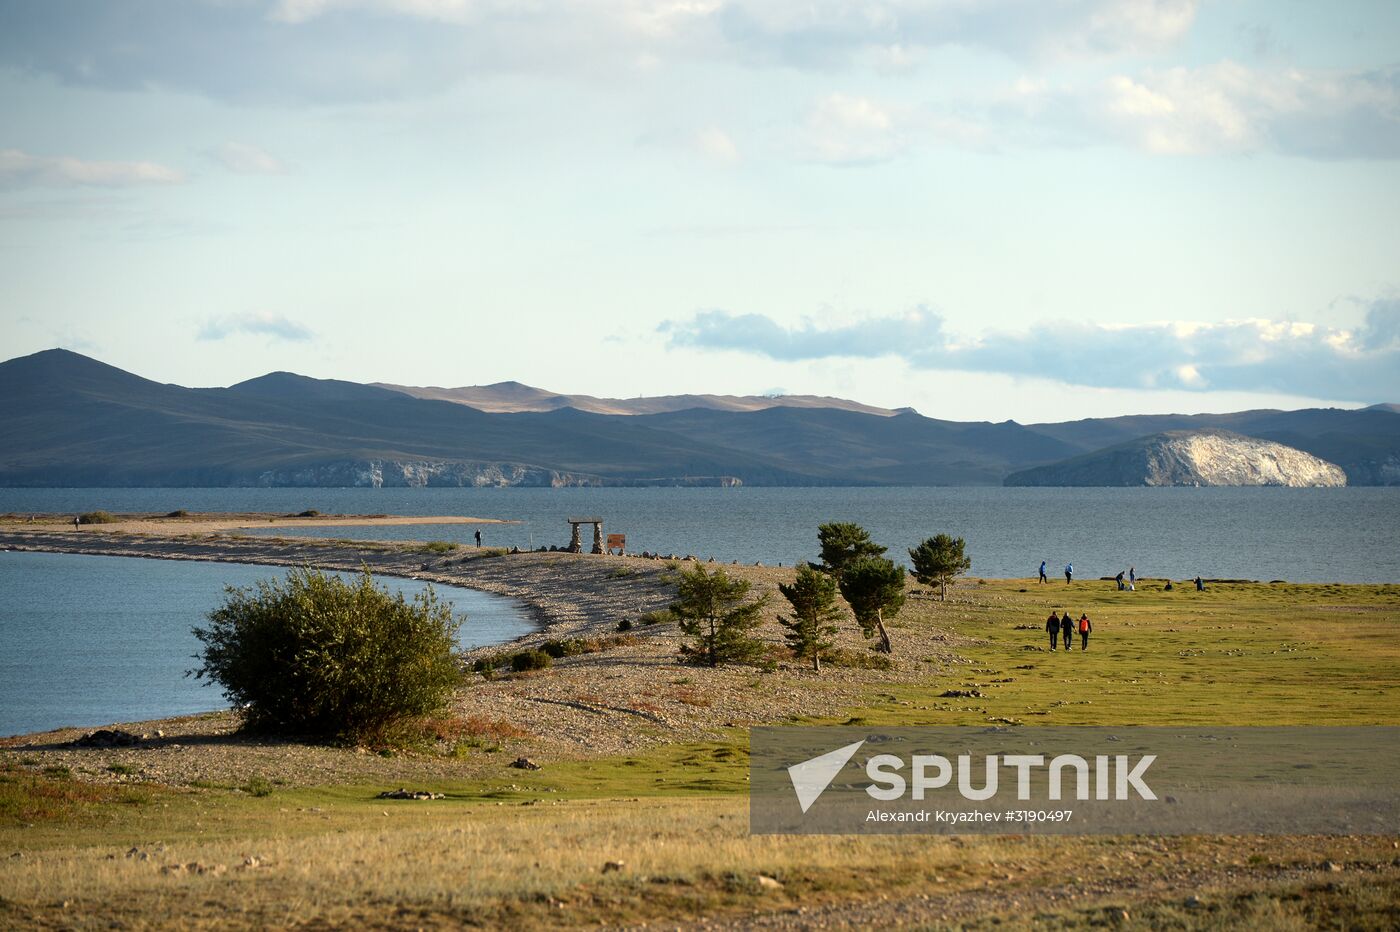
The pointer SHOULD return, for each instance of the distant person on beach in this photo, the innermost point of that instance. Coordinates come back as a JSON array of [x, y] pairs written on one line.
[[1086, 627], [1200, 586], [75, 522], [1119, 580], [1168, 587], [1052, 625], [478, 538], [1132, 577], [1069, 573], [1042, 572], [1067, 631]]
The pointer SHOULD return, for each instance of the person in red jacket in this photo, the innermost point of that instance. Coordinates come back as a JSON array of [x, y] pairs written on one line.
[[1086, 627]]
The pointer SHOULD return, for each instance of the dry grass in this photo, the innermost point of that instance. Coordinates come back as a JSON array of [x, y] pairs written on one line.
[[407, 863]]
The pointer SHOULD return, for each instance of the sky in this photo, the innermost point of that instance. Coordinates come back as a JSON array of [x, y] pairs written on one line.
[[1007, 209]]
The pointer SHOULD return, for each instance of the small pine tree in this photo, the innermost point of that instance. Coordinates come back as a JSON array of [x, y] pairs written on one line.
[[712, 608], [939, 559], [810, 629], [843, 543], [874, 588]]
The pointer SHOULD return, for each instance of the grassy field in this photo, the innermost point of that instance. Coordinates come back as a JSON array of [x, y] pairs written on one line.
[[531, 848]]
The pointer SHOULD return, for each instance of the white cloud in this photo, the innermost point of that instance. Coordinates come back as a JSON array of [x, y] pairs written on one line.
[[21, 169], [274, 326], [292, 51], [716, 145], [1287, 357], [1231, 108], [247, 159], [845, 129]]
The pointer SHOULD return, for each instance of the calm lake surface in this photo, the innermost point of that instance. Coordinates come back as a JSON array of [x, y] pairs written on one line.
[[1302, 535], [88, 640]]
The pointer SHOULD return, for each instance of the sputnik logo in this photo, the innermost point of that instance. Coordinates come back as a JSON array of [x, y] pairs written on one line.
[[811, 777]]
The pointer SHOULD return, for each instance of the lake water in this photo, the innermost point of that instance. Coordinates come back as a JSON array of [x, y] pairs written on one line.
[[89, 640], [1340, 535]]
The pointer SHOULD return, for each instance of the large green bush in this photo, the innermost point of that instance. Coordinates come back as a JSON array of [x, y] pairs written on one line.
[[316, 655]]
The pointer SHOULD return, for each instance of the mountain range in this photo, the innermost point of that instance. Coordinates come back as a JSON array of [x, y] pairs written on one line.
[[69, 420]]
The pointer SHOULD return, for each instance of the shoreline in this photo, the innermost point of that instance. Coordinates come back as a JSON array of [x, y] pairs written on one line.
[[626, 692], [203, 522]]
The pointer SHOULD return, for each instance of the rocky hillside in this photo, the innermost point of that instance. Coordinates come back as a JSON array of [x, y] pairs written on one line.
[[1193, 458]]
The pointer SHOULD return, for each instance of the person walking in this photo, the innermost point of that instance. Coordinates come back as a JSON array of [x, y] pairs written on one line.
[[1200, 586], [75, 522], [1132, 579], [1052, 625], [478, 537], [1119, 580], [1069, 573], [1042, 572], [1086, 627], [1067, 631]]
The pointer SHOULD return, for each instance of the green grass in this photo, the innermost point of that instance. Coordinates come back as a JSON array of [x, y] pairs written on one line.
[[1240, 654]]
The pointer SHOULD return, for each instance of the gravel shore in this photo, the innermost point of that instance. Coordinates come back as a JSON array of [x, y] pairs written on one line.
[[632, 692]]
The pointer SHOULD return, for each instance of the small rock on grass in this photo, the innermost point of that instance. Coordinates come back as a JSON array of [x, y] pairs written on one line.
[[524, 763], [769, 883], [611, 866]]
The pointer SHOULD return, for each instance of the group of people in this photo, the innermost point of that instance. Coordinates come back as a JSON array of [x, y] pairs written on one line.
[[1058, 628], [1069, 573]]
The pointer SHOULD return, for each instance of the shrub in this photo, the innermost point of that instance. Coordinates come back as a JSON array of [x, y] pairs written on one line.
[[308, 513], [314, 654], [258, 786], [531, 660], [439, 546], [658, 617], [569, 647], [178, 513], [625, 624], [97, 517]]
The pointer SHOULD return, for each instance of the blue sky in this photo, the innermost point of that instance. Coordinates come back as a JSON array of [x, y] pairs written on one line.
[[989, 210]]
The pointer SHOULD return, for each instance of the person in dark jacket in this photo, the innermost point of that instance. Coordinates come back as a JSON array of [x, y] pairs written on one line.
[[1069, 573], [1200, 586], [1052, 625], [1042, 572], [1119, 580], [1086, 627], [1067, 631]]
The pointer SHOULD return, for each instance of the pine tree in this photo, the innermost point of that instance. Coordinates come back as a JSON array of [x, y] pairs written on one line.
[[814, 609], [713, 610], [841, 544], [939, 559], [874, 588]]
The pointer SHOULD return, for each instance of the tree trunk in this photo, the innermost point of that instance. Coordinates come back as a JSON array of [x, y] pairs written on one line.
[[943, 595], [884, 635], [816, 661]]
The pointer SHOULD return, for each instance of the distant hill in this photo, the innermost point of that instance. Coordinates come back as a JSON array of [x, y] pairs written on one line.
[[1189, 458], [512, 397], [1365, 443], [68, 420]]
